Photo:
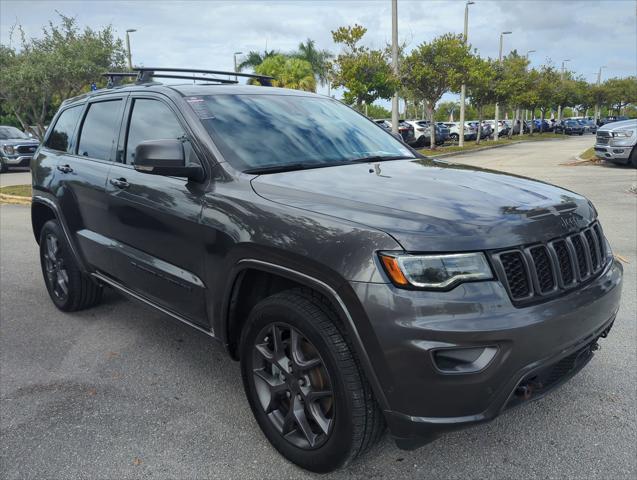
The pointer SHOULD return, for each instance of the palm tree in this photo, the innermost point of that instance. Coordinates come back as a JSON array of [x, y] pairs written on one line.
[[254, 58], [319, 59]]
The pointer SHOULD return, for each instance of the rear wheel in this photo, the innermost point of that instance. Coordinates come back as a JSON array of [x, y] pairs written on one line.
[[68, 287], [633, 157], [304, 383]]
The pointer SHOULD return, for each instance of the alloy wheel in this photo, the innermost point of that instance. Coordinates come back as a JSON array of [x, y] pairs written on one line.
[[293, 386], [56, 274]]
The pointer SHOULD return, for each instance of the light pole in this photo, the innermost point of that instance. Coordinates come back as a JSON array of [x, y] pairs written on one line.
[[559, 107], [497, 107], [463, 88], [128, 32], [235, 63], [599, 82], [394, 60]]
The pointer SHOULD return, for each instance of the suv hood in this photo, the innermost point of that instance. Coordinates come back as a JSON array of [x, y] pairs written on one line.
[[430, 205], [19, 141]]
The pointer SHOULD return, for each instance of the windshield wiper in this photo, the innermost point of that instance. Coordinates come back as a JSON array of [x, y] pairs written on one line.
[[379, 158], [289, 167]]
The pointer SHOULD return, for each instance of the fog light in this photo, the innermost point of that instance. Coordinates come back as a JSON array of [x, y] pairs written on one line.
[[463, 360]]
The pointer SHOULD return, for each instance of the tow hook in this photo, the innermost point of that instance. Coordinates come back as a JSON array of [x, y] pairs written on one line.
[[595, 346]]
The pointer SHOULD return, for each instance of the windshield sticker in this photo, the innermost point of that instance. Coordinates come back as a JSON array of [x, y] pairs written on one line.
[[200, 106]]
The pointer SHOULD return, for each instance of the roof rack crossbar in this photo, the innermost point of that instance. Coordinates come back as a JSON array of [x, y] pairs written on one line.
[[187, 77], [115, 78], [145, 73]]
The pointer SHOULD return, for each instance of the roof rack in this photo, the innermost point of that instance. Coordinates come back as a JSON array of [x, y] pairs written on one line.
[[115, 78], [145, 74]]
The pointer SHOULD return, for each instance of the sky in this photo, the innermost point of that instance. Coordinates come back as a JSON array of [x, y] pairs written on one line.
[[205, 34]]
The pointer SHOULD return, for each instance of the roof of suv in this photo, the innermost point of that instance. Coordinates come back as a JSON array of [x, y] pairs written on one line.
[[189, 89]]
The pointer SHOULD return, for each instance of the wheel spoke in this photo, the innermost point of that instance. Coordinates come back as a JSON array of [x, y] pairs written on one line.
[[274, 389], [297, 353], [51, 247], [63, 281], [319, 417], [302, 423]]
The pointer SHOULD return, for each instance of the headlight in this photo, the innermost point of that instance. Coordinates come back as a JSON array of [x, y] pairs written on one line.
[[436, 272], [8, 149], [623, 133]]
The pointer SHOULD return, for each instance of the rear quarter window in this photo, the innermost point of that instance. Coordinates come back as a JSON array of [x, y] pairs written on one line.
[[61, 135]]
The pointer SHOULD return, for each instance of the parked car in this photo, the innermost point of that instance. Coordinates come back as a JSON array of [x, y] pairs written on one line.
[[484, 133], [569, 127], [470, 133], [590, 123], [543, 125], [503, 128], [359, 284], [422, 132], [405, 130], [616, 142], [611, 119], [16, 148]]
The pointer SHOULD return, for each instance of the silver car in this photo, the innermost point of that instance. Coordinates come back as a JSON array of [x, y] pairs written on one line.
[[616, 142]]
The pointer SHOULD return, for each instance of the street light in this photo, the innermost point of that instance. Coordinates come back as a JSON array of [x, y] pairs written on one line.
[[394, 61], [599, 82], [463, 88], [497, 107], [130, 62], [235, 63], [559, 107], [529, 52]]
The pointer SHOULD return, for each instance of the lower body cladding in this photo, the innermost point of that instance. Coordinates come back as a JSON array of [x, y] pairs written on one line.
[[454, 359]]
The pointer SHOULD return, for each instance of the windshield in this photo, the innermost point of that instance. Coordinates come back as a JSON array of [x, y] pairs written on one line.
[[260, 131], [7, 133]]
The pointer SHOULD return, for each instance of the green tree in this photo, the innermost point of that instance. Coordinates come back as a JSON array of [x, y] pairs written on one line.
[[318, 59], [511, 82], [620, 92], [254, 59], [434, 68], [36, 77], [288, 72], [365, 74], [481, 80], [546, 89]]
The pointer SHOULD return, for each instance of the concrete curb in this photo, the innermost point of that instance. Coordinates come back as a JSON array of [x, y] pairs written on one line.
[[490, 147], [14, 199]]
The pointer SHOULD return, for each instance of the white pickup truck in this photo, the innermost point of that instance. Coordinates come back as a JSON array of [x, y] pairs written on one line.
[[616, 142]]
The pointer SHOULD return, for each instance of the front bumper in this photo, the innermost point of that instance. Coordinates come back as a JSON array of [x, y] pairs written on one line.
[[619, 154], [411, 326], [17, 160]]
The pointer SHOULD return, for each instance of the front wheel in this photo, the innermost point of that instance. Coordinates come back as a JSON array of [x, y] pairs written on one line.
[[69, 288], [633, 157], [304, 383], [3, 166]]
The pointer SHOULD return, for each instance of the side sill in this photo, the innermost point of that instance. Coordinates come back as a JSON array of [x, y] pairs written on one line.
[[102, 278]]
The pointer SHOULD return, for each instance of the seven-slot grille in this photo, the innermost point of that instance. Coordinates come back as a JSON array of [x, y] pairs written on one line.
[[534, 272]]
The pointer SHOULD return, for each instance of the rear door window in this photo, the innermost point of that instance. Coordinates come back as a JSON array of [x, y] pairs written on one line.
[[100, 130], [61, 136]]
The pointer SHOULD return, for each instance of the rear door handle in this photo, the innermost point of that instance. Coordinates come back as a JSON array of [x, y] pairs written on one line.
[[119, 182], [65, 168]]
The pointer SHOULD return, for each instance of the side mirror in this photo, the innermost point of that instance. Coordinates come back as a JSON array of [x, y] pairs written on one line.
[[165, 157]]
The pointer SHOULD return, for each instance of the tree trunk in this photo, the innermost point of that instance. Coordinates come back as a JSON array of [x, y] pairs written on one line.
[[542, 116], [479, 125], [431, 112]]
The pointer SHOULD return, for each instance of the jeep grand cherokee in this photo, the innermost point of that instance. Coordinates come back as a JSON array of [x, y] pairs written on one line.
[[360, 284]]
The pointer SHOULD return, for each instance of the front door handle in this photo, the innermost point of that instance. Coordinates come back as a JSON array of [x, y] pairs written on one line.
[[119, 182], [65, 168]]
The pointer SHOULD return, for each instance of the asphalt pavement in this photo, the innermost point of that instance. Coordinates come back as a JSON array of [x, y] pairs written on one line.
[[122, 391]]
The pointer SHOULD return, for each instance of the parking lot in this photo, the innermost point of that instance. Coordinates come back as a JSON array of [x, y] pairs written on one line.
[[121, 391]]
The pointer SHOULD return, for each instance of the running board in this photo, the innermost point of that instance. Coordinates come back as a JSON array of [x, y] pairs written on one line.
[[136, 296]]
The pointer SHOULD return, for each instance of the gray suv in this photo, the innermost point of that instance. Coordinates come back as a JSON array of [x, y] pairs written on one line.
[[360, 284]]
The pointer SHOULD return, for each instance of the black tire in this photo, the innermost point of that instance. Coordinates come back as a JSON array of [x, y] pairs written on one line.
[[68, 287], [454, 137], [633, 157], [355, 420], [3, 166]]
